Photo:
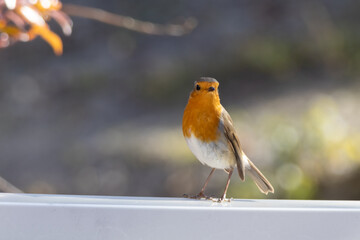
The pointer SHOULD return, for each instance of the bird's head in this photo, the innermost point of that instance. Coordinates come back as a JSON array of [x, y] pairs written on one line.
[[205, 89]]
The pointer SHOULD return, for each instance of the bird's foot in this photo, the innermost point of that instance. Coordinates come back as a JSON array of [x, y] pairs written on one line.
[[221, 200], [200, 195]]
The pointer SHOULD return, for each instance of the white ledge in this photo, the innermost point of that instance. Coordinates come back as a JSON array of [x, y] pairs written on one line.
[[58, 217]]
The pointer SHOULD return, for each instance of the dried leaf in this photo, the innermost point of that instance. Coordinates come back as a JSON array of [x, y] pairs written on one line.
[[50, 37]]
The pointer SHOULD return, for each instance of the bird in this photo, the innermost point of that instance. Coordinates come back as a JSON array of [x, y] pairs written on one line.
[[210, 134]]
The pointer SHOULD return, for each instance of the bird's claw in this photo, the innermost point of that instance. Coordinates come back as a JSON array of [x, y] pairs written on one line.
[[200, 195], [221, 200]]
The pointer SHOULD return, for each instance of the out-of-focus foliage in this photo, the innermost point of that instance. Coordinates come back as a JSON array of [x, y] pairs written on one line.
[[105, 118], [315, 145], [24, 20]]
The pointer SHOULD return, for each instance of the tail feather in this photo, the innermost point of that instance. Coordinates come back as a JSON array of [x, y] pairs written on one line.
[[260, 180]]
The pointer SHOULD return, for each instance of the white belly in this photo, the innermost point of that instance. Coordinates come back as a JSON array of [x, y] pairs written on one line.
[[213, 154]]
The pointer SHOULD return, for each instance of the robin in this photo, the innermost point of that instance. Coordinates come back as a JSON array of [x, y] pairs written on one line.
[[210, 135]]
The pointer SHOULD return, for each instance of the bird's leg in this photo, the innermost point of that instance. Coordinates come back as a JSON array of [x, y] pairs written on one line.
[[223, 198], [201, 193]]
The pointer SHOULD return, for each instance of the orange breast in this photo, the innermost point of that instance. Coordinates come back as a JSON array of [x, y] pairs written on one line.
[[201, 118]]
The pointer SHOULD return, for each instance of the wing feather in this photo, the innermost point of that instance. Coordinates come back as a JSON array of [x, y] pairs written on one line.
[[233, 141]]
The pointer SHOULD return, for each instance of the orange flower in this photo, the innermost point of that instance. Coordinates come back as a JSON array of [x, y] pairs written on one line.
[[24, 20]]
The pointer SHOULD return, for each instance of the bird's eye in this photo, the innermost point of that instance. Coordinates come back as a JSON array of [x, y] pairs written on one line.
[[197, 87], [211, 89]]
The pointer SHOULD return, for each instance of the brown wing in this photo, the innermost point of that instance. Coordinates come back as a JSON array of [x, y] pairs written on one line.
[[234, 142]]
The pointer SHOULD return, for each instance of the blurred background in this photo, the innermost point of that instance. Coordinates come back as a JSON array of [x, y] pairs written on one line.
[[105, 117]]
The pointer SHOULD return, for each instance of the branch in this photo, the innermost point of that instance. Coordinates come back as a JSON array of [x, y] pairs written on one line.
[[129, 22], [5, 186]]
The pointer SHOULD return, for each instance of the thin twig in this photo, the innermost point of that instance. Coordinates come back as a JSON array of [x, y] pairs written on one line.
[[129, 22], [5, 186]]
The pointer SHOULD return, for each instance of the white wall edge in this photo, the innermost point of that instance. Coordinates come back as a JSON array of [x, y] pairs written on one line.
[[53, 217]]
